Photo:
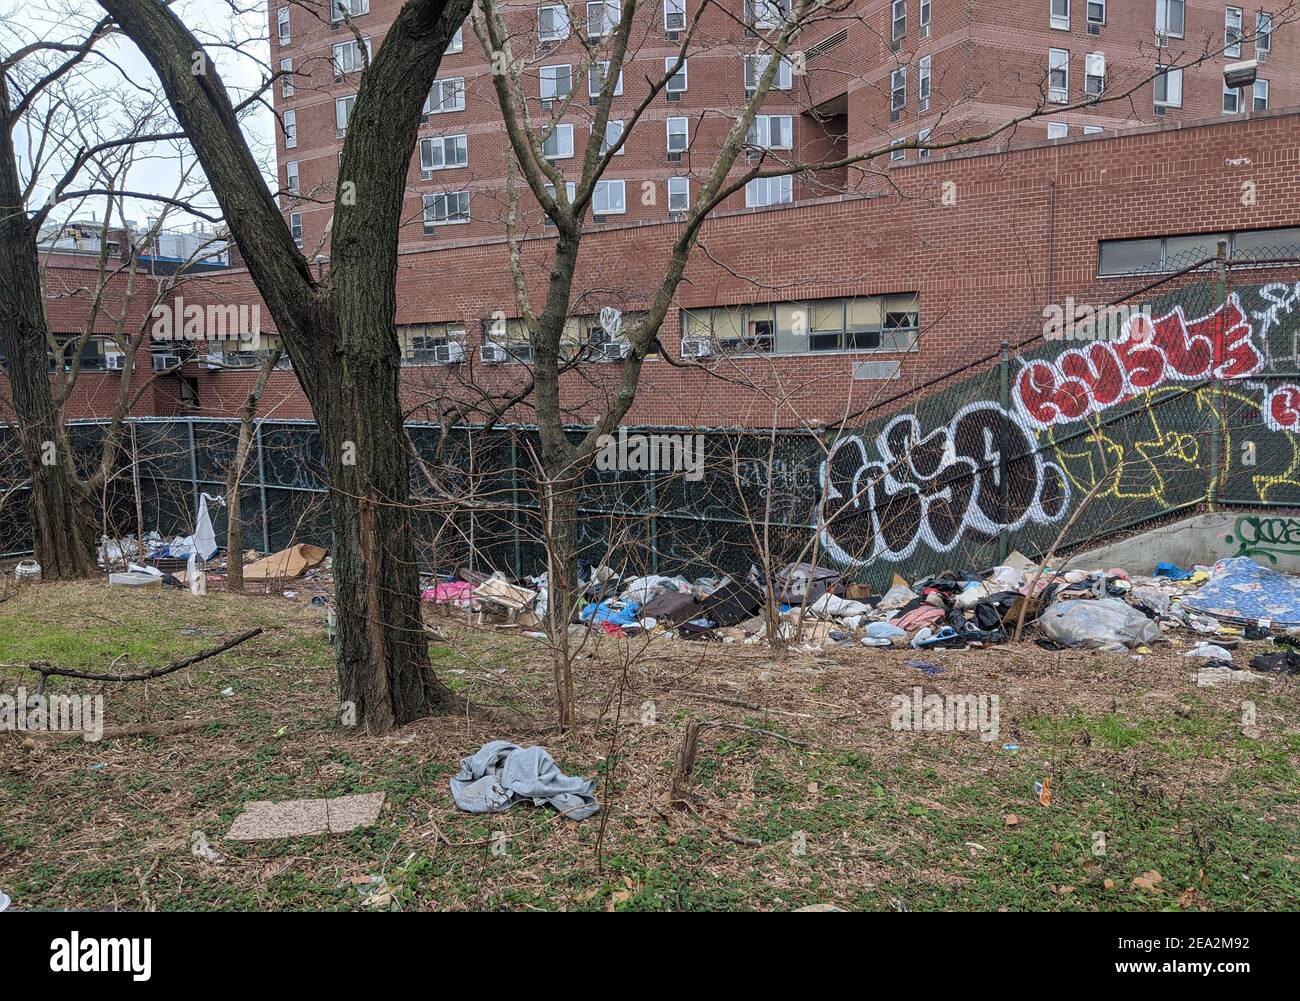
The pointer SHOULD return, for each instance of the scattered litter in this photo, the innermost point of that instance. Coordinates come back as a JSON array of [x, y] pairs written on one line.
[[1239, 590], [925, 667], [1043, 790], [500, 774], [1010, 747], [4, 901], [1098, 623], [266, 821], [1214, 676], [27, 572], [286, 564], [227, 692], [1208, 651]]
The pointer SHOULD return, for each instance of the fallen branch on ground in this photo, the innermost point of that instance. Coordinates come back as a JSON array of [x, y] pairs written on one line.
[[165, 729], [46, 669]]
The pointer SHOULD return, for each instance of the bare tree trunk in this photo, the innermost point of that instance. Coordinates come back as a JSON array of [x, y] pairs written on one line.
[[234, 516]]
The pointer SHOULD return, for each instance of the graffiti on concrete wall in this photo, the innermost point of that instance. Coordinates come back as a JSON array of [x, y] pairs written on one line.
[[1266, 537]]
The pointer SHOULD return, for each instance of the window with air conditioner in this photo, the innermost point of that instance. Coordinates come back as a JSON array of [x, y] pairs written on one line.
[[291, 177], [295, 227], [609, 198], [431, 343], [679, 194], [1263, 33], [449, 208], [923, 22], [1094, 74], [677, 82], [282, 25], [756, 66], [596, 74], [764, 191], [613, 133], [1259, 96], [1169, 87], [343, 113], [1058, 75], [898, 26], [353, 8], [290, 129], [555, 82], [445, 95], [1232, 32], [347, 57], [559, 144], [444, 153], [1096, 11], [602, 18], [674, 15], [898, 89], [771, 132], [923, 84], [457, 43], [286, 79], [1059, 15], [678, 130], [552, 22], [1170, 18]]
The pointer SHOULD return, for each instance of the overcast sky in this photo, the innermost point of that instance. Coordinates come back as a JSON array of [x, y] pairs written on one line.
[[160, 168]]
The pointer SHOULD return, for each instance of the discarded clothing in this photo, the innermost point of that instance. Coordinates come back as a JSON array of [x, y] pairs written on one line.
[[925, 615], [1280, 663], [1098, 624], [451, 592], [1242, 591], [604, 612], [1171, 571], [671, 606], [501, 773]]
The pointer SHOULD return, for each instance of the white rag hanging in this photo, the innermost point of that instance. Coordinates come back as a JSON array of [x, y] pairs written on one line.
[[205, 539]]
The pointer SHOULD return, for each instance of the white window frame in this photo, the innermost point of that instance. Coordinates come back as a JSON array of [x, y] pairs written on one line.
[[457, 85], [554, 80], [350, 49], [1058, 15], [1263, 32], [431, 200], [457, 43], [684, 183], [355, 9], [677, 10], [1234, 20], [562, 139], [602, 192], [570, 190], [286, 81], [608, 18], [459, 144], [677, 125], [766, 14], [283, 31], [681, 74], [1058, 60], [1255, 95], [1173, 95], [607, 143], [758, 191], [596, 78], [342, 119], [897, 150], [1094, 68], [760, 132], [295, 227], [1233, 94], [1092, 130], [923, 85], [292, 178], [756, 65], [558, 32], [1089, 5], [291, 129], [922, 137], [898, 20], [923, 20], [1057, 130], [1164, 12]]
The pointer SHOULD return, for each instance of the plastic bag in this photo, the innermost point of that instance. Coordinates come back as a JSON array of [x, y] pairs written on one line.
[[1098, 624], [896, 597]]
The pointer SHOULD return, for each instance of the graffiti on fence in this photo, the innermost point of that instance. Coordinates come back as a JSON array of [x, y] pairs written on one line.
[[1282, 300], [1282, 408]]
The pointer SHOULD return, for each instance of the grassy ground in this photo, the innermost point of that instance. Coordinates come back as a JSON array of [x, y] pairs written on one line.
[[855, 813]]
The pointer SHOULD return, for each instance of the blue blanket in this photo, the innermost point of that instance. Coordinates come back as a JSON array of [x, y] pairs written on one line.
[[1240, 590]]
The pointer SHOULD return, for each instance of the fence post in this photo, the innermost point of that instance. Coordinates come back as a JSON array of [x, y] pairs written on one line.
[[261, 489], [1004, 396], [1217, 428]]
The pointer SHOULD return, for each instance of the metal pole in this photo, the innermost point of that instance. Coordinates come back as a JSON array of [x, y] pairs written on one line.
[[1004, 394], [1217, 428], [261, 487]]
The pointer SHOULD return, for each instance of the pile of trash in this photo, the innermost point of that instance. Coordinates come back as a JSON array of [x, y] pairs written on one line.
[[814, 607]]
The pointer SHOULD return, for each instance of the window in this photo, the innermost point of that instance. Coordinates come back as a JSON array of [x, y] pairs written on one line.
[[898, 89], [444, 153], [291, 181], [1092, 130], [1058, 75], [674, 15], [343, 113], [282, 25], [552, 23], [679, 194], [1096, 11], [1057, 130], [898, 150], [678, 135], [556, 82], [613, 133], [771, 132], [559, 144], [290, 129], [676, 82], [457, 43], [1263, 244], [420, 342], [347, 57], [1094, 74], [1231, 100], [764, 191], [596, 74], [570, 189], [899, 29], [1059, 15], [1169, 18], [602, 18], [354, 8], [756, 66], [766, 14], [1169, 87], [1232, 31], [608, 198], [924, 20], [295, 227], [866, 323], [447, 209], [1260, 96], [923, 84], [446, 95], [1263, 32], [286, 81], [922, 138]]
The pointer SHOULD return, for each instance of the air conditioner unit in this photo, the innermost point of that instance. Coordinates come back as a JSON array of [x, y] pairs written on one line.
[[615, 350], [492, 353], [1094, 29], [696, 347], [115, 361], [450, 353], [210, 362], [163, 362]]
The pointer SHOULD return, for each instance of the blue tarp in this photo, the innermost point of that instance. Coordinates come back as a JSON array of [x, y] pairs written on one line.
[[1240, 590]]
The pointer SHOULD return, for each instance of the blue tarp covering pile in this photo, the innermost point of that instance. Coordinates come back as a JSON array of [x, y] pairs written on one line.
[[1240, 590]]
